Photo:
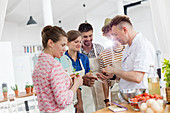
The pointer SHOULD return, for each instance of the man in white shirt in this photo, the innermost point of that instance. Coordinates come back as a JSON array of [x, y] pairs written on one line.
[[137, 57]]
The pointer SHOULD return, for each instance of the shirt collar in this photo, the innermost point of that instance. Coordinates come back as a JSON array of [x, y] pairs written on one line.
[[78, 54], [45, 55], [82, 50], [138, 35]]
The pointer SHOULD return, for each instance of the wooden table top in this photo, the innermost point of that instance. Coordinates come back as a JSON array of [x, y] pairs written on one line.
[[11, 96], [130, 110]]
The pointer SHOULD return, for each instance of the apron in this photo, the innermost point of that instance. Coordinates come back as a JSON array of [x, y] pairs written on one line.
[[115, 95], [88, 104], [97, 88]]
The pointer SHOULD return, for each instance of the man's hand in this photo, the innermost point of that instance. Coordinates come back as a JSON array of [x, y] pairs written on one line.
[[104, 77], [109, 70], [107, 104], [79, 107], [89, 79]]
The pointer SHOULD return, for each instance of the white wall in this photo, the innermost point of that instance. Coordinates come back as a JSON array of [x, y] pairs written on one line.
[[19, 36], [6, 66], [142, 22], [3, 6], [161, 21], [11, 33]]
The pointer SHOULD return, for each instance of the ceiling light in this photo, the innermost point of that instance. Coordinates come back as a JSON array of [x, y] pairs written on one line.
[[31, 21]]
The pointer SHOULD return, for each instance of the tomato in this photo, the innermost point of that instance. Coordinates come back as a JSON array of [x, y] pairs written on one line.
[[137, 96], [156, 95], [140, 98], [160, 97], [147, 97], [145, 94], [151, 96], [144, 99], [134, 100]]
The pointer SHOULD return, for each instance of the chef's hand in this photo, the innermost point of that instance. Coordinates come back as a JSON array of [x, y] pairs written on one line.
[[104, 77], [107, 104], [89, 79], [108, 70]]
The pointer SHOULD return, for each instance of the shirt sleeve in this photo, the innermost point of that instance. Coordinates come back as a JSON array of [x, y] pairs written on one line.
[[59, 83]]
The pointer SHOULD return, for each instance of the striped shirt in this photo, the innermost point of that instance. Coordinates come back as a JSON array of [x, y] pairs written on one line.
[[51, 84], [105, 58], [91, 53]]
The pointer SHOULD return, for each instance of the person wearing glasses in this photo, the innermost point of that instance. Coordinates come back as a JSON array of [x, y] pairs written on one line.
[[138, 55], [111, 56]]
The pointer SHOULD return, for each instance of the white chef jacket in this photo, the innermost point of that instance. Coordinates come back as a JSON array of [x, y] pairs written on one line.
[[138, 57]]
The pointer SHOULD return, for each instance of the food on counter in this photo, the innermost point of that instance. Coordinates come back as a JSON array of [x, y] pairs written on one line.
[[150, 101], [147, 103], [145, 97], [149, 110], [153, 106], [143, 106]]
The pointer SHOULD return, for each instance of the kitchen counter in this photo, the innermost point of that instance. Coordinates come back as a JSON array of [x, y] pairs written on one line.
[[130, 110]]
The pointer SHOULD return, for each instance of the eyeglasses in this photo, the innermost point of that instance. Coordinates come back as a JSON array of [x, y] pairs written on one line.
[[86, 36], [120, 50]]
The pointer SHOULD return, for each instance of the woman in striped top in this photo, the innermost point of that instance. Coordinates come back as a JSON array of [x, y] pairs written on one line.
[[54, 87]]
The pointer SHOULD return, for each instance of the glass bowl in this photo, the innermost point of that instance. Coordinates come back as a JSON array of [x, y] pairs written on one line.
[[134, 105], [131, 93]]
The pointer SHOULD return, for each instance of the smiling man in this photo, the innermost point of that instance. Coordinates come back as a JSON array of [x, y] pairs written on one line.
[[89, 48], [137, 56], [92, 51]]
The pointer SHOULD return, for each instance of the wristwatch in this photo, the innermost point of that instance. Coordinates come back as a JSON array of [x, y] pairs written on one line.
[[114, 77], [106, 100]]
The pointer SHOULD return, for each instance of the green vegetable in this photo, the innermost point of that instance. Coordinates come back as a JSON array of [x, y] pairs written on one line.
[[166, 71]]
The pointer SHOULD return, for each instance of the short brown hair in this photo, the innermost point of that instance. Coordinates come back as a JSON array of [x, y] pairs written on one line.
[[105, 29], [120, 18], [73, 35], [52, 32]]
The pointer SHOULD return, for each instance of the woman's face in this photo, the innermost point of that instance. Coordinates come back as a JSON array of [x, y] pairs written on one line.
[[59, 47], [75, 45]]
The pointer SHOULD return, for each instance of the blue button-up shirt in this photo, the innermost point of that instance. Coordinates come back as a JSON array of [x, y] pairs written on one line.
[[84, 59]]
